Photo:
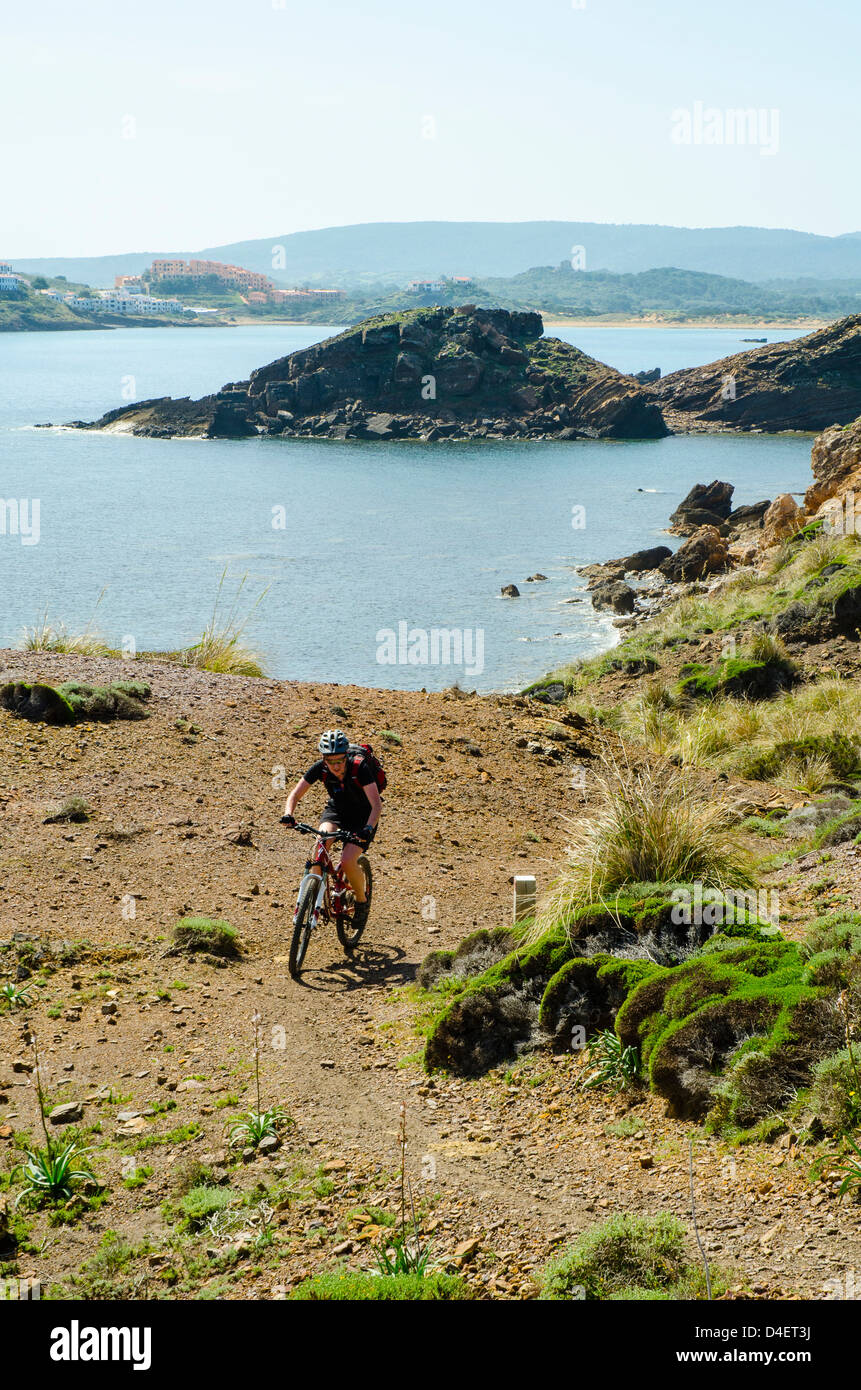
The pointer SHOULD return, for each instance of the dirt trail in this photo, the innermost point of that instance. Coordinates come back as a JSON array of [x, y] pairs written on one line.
[[185, 820]]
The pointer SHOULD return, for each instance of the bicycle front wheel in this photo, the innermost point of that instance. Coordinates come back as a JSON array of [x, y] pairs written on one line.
[[302, 924]]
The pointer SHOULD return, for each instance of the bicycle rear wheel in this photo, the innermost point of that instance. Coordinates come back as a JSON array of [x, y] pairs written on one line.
[[302, 924], [348, 934]]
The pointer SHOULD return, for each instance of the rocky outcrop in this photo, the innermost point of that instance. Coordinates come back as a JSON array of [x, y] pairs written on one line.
[[707, 504], [427, 374], [836, 464], [615, 594], [705, 552], [807, 384], [783, 518]]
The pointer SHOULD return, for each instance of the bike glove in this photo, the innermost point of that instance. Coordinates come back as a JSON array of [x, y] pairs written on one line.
[[368, 833], [288, 820]]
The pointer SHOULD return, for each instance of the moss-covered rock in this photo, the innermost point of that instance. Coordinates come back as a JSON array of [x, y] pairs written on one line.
[[41, 703], [495, 1016], [475, 954], [75, 700], [578, 975], [119, 700], [733, 1031], [587, 993], [742, 677]]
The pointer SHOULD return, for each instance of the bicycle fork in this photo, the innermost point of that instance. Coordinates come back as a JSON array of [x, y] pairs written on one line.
[[321, 893]]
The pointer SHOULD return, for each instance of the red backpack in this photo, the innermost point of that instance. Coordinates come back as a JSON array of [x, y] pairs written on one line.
[[365, 751]]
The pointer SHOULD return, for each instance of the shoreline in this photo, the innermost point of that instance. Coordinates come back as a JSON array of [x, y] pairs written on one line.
[[811, 324]]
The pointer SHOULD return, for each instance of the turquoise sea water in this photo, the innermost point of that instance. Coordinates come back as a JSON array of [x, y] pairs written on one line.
[[374, 535]]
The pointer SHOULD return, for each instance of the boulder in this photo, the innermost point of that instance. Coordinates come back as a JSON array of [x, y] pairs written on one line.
[[783, 518], [713, 499], [705, 552], [836, 463], [645, 559], [510, 591], [751, 515], [615, 594]]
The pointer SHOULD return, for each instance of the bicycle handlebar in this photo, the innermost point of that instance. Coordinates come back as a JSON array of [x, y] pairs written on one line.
[[348, 836]]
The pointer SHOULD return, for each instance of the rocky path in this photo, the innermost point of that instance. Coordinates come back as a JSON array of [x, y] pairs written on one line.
[[184, 819]]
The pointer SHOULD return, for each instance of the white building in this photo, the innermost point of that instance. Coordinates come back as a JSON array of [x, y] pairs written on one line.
[[10, 281], [119, 302]]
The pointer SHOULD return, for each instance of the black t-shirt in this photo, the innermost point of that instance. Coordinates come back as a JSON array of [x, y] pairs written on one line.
[[346, 798]]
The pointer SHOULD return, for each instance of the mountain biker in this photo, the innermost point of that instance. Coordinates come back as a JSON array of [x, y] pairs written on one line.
[[354, 804]]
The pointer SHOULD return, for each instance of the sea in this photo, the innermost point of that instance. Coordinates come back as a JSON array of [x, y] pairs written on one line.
[[376, 564]]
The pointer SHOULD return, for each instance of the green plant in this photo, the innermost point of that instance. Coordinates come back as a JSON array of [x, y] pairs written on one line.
[[73, 810], [650, 827], [366, 1286], [851, 1168], [625, 1252], [617, 1067], [15, 996], [258, 1124], [51, 1172], [45, 636], [220, 647], [203, 934], [405, 1254]]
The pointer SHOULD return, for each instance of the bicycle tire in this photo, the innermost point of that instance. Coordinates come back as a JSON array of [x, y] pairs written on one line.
[[302, 928], [349, 939]]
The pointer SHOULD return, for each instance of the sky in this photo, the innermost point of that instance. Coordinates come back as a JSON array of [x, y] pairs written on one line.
[[181, 124]]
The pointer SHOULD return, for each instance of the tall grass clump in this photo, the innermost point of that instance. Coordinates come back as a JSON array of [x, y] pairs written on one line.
[[47, 636], [221, 647], [649, 826]]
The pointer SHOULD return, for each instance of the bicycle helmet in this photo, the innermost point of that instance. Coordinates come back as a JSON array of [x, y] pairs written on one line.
[[333, 741]]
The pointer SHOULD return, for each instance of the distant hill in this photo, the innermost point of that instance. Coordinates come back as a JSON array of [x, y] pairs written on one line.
[[394, 252], [668, 293]]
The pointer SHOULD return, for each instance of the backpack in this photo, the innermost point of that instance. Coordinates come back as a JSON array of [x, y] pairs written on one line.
[[365, 751]]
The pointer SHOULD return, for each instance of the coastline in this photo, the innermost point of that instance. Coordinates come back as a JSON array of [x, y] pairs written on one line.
[[606, 321]]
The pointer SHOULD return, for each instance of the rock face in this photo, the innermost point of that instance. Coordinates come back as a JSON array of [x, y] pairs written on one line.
[[705, 552], [615, 594], [783, 519], [428, 374], [807, 384], [707, 504], [836, 463]]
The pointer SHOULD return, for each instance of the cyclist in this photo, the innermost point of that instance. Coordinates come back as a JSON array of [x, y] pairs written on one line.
[[354, 804]]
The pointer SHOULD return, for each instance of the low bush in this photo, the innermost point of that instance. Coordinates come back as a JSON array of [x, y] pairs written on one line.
[[364, 1287], [205, 934], [625, 1256]]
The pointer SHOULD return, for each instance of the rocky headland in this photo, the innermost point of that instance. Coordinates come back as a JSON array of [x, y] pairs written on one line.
[[807, 384], [426, 374]]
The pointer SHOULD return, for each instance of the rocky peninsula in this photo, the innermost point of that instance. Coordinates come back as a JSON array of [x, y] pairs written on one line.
[[425, 374]]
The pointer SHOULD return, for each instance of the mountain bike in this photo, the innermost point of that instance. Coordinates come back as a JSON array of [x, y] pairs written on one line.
[[325, 895]]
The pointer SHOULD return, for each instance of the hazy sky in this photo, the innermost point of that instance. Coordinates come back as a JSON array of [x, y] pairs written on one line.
[[179, 124]]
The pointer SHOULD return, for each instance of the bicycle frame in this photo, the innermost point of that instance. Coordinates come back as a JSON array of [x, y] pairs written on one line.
[[323, 904]]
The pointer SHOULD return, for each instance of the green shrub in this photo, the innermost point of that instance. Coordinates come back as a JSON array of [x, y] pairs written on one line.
[[834, 1093], [119, 700], [840, 752], [204, 934], [643, 1252], [361, 1287], [198, 1204]]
